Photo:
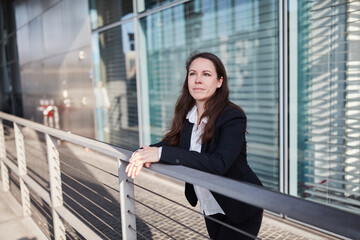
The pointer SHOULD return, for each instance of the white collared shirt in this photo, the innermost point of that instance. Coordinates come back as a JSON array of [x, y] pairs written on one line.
[[208, 203]]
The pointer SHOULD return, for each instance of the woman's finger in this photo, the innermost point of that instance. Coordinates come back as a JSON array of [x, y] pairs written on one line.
[[138, 169], [129, 168], [133, 170], [138, 163]]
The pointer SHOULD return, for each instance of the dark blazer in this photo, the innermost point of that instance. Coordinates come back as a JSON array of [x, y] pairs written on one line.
[[225, 155]]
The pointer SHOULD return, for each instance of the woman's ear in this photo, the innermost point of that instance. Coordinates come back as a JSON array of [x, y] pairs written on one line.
[[220, 81]]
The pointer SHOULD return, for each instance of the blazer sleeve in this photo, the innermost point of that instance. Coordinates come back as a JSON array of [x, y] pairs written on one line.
[[228, 141], [159, 144]]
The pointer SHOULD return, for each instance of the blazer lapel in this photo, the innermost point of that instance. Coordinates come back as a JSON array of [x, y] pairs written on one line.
[[186, 135]]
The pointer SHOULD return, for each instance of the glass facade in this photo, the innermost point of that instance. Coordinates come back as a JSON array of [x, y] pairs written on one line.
[[325, 105], [244, 34]]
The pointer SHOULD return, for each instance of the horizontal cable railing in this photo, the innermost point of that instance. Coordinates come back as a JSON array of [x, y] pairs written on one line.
[[96, 200]]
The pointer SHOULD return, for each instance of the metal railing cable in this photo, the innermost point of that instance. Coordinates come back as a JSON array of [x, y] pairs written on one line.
[[138, 232], [150, 224], [160, 213], [42, 211], [86, 221], [97, 205], [43, 151], [193, 210], [41, 208], [68, 233], [84, 174], [90, 189], [92, 214], [43, 226], [44, 182], [11, 157], [68, 236], [87, 175], [78, 159]]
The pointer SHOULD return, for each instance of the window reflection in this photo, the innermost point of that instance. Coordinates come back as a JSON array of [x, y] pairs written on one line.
[[325, 106], [115, 86], [104, 12]]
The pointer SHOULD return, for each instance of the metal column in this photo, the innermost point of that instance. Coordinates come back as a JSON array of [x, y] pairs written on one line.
[[55, 185], [21, 159], [127, 205]]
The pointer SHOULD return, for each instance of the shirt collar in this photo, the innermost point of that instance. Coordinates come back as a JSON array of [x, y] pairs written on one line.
[[192, 116]]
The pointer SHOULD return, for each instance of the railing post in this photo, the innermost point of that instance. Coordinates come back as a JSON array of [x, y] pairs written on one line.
[[21, 159], [4, 170], [55, 185], [127, 205]]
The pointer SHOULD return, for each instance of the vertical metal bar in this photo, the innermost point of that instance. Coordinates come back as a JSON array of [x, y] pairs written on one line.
[[283, 103], [4, 170], [20, 150], [21, 159], [126, 204], [293, 96], [137, 65], [5, 177], [55, 185], [285, 98], [25, 198], [59, 228], [2, 141]]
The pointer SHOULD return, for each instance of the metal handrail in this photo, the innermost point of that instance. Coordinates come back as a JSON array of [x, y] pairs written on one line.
[[331, 219]]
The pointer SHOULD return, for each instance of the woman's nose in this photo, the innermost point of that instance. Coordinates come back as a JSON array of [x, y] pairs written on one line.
[[198, 79]]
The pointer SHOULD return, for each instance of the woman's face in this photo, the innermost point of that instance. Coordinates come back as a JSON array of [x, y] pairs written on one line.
[[202, 79]]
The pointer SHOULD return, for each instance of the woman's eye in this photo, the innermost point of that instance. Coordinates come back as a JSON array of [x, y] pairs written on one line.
[[191, 74], [207, 74]]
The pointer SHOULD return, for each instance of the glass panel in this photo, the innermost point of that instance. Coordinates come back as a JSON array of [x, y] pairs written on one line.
[[143, 5], [104, 12], [325, 109], [249, 52], [115, 90]]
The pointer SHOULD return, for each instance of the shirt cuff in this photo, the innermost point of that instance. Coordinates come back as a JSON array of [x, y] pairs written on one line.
[[160, 151]]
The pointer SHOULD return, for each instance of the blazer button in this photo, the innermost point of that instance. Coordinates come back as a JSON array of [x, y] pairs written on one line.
[[177, 160]]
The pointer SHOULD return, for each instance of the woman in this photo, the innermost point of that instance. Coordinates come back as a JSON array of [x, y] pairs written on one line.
[[207, 133]]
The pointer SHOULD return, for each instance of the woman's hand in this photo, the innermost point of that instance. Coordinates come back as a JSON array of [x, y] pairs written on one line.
[[146, 155]]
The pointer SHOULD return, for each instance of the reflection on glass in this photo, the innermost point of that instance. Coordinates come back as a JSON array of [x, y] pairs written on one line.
[[325, 139], [115, 86], [143, 5], [104, 12], [102, 105], [249, 52]]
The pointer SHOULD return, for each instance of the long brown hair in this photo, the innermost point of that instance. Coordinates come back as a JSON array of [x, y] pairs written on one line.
[[213, 106]]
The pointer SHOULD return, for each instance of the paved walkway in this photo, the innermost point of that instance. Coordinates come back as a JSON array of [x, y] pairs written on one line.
[[12, 224]]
